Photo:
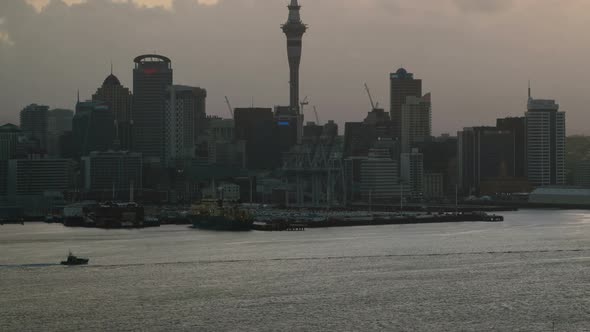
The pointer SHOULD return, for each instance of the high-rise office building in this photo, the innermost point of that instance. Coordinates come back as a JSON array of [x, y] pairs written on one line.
[[34, 123], [288, 128], [120, 100], [151, 76], [545, 147], [517, 126], [412, 171], [484, 153], [312, 131], [379, 179], [93, 128], [183, 122], [359, 137], [402, 85], [222, 147], [416, 121], [9, 137], [440, 157], [294, 30], [256, 126], [59, 121]]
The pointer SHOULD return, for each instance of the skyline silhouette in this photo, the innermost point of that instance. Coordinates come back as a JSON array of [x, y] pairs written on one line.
[[476, 61]]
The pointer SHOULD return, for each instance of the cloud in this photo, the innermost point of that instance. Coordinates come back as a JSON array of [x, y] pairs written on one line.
[[4, 36], [5, 39], [40, 5], [484, 6]]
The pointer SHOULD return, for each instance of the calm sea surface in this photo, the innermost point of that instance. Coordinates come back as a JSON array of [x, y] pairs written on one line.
[[530, 273]]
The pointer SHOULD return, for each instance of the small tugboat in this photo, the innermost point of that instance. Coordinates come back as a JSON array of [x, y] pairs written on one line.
[[73, 260]]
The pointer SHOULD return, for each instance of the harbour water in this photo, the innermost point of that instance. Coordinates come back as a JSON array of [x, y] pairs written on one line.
[[529, 273]]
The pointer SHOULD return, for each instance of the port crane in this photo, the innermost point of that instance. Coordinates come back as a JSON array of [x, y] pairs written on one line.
[[317, 118], [304, 103], [231, 110]]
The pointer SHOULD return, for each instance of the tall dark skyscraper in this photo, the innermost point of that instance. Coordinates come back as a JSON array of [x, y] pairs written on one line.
[[402, 86], [256, 127], [485, 153], [545, 147], [120, 100], [294, 30], [33, 123], [151, 76], [93, 127], [518, 127]]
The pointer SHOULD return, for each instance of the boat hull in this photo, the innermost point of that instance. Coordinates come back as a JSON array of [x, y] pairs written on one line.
[[78, 261]]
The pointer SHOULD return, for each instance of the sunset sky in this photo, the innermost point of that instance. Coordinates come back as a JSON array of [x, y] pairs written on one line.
[[475, 56]]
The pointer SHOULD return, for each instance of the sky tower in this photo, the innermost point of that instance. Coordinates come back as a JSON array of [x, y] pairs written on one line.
[[294, 30]]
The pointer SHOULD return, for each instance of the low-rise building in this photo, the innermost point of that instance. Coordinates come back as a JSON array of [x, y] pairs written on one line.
[[112, 172]]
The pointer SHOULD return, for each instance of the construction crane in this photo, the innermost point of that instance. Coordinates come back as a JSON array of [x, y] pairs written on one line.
[[317, 118], [304, 103], [373, 104], [231, 110]]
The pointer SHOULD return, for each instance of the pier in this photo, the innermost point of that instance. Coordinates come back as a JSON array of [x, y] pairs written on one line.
[[296, 221]]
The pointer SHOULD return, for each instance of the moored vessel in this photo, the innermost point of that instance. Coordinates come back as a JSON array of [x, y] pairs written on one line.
[[214, 215]]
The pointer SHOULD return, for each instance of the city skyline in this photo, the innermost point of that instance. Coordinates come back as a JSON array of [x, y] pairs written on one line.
[[468, 86]]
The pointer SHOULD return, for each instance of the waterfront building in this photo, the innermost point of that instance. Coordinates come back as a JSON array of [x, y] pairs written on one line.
[[484, 153], [582, 174], [183, 122], [151, 76], [378, 176], [256, 126], [412, 171], [34, 123], [112, 173], [120, 100], [402, 85], [229, 191], [9, 138], [3, 180], [93, 127], [545, 143], [416, 121], [433, 185], [30, 177], [440, 157], [517, 125], [560, 196]]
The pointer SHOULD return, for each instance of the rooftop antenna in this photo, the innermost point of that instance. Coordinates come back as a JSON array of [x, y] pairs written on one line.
[[529, 89], [111, 67], [78, 95]]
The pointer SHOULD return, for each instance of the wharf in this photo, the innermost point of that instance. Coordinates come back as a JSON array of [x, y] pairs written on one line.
[[294, 223]]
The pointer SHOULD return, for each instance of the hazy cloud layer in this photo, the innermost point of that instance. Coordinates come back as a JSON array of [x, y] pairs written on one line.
[[476, 56]]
